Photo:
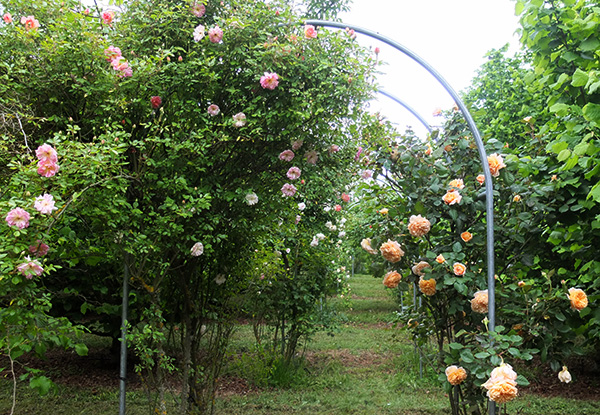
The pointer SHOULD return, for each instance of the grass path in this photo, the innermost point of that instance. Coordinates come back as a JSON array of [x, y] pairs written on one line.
[[369, 367]]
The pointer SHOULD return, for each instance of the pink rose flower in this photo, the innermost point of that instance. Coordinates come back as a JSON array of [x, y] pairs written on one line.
[[367, 174], [213, 109], [239, 119], [18, 217], [47, 168], [30, 268], [111, 53], [337, 208], [269, 80], [39, 248], [297, 144], [30, 22], [215, 34], [334, 148], [46, 152], [358, 153], [198, 33], [156, 101], [293, 173], [311, 157], [126, 73], [44, 204], [119, 63], [310, 32], [286, 155], [107, 17], [198, 9], [288, 190], [7, 18]]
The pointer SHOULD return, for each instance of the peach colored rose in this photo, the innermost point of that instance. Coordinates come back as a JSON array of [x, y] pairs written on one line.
[[457, 183], [451, 197], [440, 259], [502, 391], [392, 279], [479, 303], [504, 371], [391, 251], [466, 236], [480, 178], [417, 269], [384, 211], [517, 198], [553, 178], [496, 163], [579, 300], [427, 287], [455, 375], [418, 225], [459, 269], [366, 245]]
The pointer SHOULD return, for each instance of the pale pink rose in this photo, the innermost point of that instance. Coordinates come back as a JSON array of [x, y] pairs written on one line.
[[367, 174], [213, 109], [198, 9], [199, 33], [46, 152], [311, 157], [30, 22], [337, 208], [293, 173], [107, 17], [297, 144], [239, 119], [7, 18], [286, 155], [44, 204], [39, 248], [126, 73], [269, 80], [197, 249], [30, 268], [111, 53], [288, 190], [119, 63], [47, 168], [298, 218], [334, 148], [345, 197], [216, 34], [310, 32], [18, 217]]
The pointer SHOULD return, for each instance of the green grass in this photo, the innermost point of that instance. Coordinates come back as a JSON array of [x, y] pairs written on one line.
[[368, 367]]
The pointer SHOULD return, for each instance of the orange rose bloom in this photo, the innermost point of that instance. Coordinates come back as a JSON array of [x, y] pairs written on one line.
[[428, 150], [391, 251], [466, 236], [579, 300], [459, 269], [427, 287], [502, 391], [481, 178], [418, 268], [479, 303], [440, 259], [451, 197], [496, 163], [458, 183], [384, 211], [418, 225], [392, 279], [366, 245], [455, 375]]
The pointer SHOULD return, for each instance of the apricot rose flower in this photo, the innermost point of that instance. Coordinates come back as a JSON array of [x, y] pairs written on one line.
[[391, 251]]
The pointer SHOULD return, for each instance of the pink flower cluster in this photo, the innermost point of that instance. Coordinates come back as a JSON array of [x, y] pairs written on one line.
[[118, 62], [269, 80], [30, 268], [47, 157], [29, 22]]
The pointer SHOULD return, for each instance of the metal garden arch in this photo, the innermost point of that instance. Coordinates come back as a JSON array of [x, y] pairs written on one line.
[[489, 201]]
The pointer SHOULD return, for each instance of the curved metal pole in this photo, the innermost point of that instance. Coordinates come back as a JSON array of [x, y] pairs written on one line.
[[489, 201], [408, 107]]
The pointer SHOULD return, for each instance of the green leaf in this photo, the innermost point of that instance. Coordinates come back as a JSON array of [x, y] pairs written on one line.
[[81, 349], [563, 155], [594, 193], [580, 78], [590, 44], [591, 112], [560, 109], [455, 346], [41, 383]]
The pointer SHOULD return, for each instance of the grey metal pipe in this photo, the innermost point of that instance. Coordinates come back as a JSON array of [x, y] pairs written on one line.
[[489, 201], [123, 368], [408, 107]]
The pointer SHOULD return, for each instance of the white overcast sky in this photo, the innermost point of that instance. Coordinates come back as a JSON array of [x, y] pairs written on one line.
[[451, 35]]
